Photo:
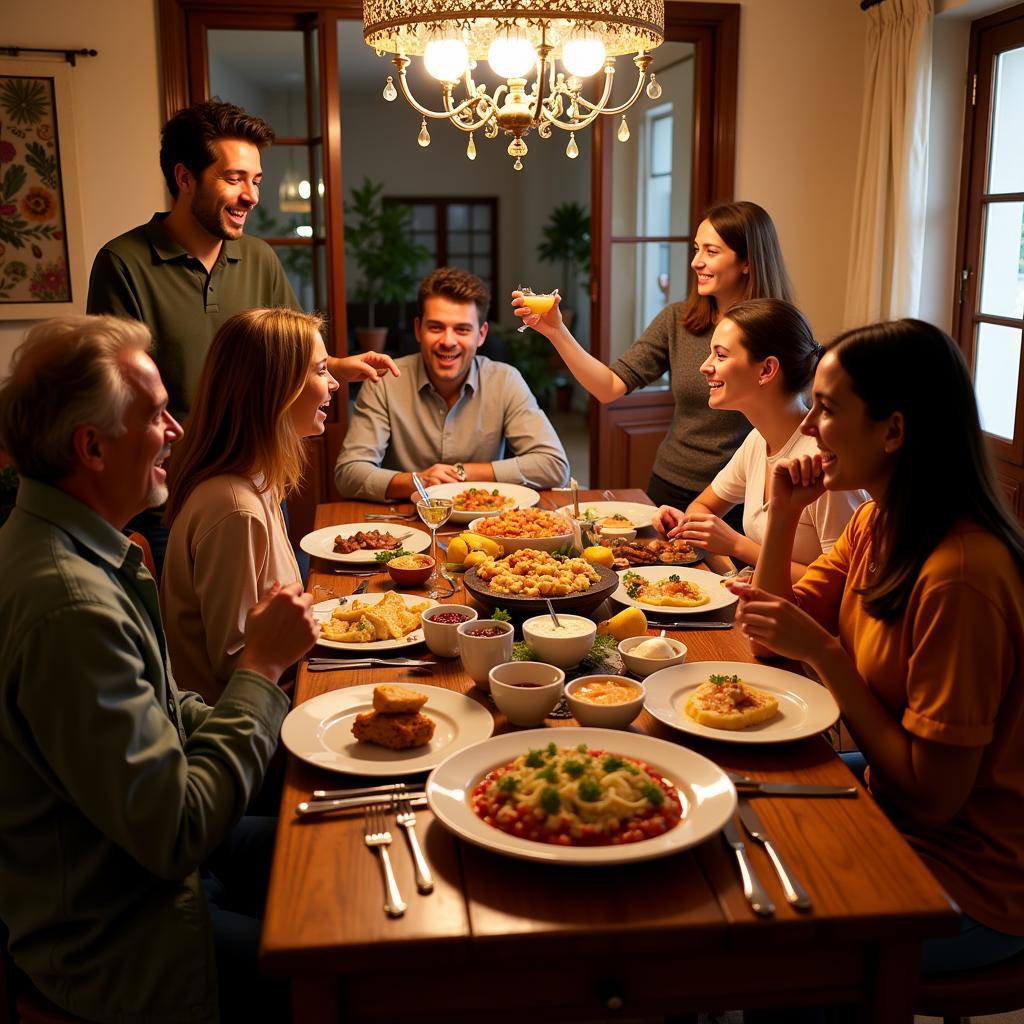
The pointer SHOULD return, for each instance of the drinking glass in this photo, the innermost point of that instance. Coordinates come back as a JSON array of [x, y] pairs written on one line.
[[538, 304], [435, 513]]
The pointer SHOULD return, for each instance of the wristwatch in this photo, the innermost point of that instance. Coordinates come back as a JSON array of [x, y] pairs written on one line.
[[460, 471]]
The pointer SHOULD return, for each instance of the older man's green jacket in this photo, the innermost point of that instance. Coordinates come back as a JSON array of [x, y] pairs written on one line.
[[114, 786]]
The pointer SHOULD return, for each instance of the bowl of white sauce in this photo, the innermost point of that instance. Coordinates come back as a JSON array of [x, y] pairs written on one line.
[[564, 645]]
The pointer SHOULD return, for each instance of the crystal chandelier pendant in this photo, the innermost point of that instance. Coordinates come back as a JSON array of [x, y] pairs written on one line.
[[424, 136], [653, 89], [390, 92], [471, 148], [572, 150], [518, 165], [623, 130]]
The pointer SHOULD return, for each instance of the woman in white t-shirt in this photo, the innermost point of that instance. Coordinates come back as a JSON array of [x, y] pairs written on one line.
[[762, 360]]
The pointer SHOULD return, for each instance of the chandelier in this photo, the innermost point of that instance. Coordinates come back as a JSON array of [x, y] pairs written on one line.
[[518, 40]]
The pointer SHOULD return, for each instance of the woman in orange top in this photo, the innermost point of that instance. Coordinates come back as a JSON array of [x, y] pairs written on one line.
[[915, 619]]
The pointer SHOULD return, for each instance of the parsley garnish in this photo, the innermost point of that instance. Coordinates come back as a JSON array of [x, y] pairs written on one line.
[[653, 793], [582, 748], [589, 790], [718, 680], [500, 615], [552, 749], [548, 774], [534, 759], [612, 763], [386, 556], [550, 800], [508, 784], [573, 768], [674, 578]]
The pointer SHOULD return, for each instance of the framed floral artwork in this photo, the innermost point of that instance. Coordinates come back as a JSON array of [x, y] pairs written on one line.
[[42, 271]]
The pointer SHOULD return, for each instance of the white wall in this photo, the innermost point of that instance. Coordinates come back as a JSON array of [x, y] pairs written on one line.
[[117, 110]]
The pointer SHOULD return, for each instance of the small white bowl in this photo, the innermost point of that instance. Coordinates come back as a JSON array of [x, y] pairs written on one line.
[[480, 654], [617, 532], [605, 716], [643, 667], [526, 691], [442, 637], [563, 651]]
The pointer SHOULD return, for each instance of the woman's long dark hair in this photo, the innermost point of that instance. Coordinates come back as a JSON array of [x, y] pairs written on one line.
[[748, 230], [773, 327], [942, 471]]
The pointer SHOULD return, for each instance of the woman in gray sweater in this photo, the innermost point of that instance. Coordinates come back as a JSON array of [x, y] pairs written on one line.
[[736, 256]]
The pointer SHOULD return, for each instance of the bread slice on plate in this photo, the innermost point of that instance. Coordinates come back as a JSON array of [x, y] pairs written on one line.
[[392, 699]]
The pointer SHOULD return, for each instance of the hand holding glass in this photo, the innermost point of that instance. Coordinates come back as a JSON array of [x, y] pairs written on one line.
[[537, 304]]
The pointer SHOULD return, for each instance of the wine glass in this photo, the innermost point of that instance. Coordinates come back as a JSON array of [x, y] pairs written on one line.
[[435, 513], [538, 304]]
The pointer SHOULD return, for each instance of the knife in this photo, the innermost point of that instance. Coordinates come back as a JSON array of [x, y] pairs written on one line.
[[752, 787], [416, 797], [692, 625], [752, 888], [796, 894], [336, 665]]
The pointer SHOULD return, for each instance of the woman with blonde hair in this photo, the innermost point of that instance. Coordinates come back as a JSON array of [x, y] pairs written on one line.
[[264, 387]]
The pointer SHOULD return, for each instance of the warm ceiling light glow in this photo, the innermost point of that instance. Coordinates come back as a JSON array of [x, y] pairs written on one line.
[[544, 50], [583, 54], [446, 59]]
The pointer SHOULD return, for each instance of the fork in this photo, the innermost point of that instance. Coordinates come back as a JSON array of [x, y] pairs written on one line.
[[377, 837], [406, 817]]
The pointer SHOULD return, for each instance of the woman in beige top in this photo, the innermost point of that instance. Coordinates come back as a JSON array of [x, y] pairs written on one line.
[[264, 387]]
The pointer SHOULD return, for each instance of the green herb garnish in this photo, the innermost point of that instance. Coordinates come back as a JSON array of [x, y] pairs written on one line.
[[552, 749], [719, 680], [534, 759], [573, 768], [522, 651], [612, 763], [386, 556], [548, 774], [500, 615], [653, 793], [508, 784], [589, 790], [582, 748], [550, 800]]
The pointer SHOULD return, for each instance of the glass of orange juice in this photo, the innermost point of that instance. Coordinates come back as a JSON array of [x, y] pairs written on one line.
[[538, 304]]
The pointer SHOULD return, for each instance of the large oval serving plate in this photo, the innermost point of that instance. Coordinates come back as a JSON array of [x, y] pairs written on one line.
[[806, 708], [321, 542], [584, 601], [711, 583], [324, 610], [707, 795], [319, 731], [523, 497]]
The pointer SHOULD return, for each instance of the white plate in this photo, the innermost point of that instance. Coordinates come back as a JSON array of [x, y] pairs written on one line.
[[322, 611], [525, 497], [321, 542], [709, 582], [806, 708], [319, 732], [638, 515], [707, 795]]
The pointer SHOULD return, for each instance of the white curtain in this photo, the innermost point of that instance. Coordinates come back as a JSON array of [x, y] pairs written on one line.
[[890, 194]]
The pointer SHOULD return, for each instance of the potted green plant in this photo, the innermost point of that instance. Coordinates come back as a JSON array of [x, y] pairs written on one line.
[[566, 240], [378, 238]]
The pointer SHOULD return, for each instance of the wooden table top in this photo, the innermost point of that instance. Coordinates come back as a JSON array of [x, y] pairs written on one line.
[[325, 917]]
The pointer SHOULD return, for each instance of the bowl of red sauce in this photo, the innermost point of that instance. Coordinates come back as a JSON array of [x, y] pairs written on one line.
[[440, 627]]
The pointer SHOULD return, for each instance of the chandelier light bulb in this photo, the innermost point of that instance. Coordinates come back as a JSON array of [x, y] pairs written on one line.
[[424, 136], [623, 130], [390, 92], [304, 189], [653, 89], [446, 59], [511, 55], [471, 148], [572, 150], [583, 54]]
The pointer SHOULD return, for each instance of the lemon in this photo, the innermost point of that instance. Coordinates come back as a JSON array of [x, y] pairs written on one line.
[[457, 550], [599, 555], [629, 622], [475, 558], [477, 543]]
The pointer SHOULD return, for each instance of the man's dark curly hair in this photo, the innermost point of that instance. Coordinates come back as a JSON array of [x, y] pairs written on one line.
[[188, 136]]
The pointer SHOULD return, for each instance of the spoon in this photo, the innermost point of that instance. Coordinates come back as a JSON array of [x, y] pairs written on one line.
[[551, 612]]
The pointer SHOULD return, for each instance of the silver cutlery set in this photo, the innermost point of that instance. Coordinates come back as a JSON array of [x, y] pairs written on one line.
[[377, 803], [753, 890]]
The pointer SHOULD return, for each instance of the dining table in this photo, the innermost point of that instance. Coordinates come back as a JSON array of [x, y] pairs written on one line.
[[500, 938]]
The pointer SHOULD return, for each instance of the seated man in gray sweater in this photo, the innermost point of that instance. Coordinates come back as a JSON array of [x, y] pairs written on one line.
[[452, 415], [130, 882]]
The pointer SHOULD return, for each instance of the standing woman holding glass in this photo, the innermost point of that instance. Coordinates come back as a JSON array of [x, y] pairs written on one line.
[[264, 387], [915, 619], [736, 256]]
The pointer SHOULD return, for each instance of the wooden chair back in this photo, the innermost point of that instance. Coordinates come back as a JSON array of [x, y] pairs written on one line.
[[998, 988]]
